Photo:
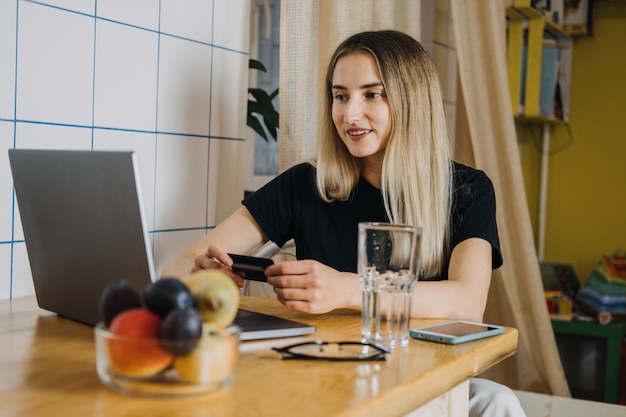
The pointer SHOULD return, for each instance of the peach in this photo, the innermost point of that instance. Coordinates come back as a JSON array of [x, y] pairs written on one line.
[[135, 349]]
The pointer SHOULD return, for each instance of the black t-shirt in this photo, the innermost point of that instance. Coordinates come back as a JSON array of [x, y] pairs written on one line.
[[290, 207]]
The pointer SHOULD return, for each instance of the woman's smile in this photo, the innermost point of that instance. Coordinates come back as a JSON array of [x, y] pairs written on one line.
[[358, 133]]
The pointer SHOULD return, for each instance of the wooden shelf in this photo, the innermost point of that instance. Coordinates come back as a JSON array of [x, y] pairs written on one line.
[[539, 119], [524, 9]]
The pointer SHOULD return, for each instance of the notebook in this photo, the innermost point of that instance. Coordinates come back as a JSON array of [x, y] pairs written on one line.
[[84, 227]]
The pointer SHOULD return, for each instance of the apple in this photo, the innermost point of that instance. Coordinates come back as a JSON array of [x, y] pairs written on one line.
[[135, 349], [215, 295]]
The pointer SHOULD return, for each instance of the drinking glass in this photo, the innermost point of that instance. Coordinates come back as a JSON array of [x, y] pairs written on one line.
[[387, 267]]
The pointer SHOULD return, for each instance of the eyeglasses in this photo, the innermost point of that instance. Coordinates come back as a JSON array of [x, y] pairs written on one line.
[[334, 351]]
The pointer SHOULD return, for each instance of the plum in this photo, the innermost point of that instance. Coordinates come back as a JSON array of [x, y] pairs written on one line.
[[167, 294], [117, 297], [181, 331]]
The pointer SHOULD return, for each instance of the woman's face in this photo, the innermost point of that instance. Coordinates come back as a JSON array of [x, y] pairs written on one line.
[[360, 107]]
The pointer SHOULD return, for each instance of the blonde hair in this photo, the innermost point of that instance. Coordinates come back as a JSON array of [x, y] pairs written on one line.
[[417, 167]]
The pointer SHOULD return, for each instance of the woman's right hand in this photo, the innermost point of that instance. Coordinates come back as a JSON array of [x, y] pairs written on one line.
[[215, 258]]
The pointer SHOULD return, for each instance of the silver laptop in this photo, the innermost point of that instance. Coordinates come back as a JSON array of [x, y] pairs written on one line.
[[84, 227]]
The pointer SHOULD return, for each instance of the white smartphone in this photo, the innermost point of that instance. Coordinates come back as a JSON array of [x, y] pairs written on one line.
[[455, 332]]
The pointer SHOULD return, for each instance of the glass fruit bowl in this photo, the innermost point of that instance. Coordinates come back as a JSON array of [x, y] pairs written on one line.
[[146, 367]]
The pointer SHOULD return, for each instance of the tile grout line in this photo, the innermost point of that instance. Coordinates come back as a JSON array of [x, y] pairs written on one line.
[[13, 199]]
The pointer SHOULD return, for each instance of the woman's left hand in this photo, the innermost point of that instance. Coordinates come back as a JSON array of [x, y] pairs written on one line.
[[313, 287]]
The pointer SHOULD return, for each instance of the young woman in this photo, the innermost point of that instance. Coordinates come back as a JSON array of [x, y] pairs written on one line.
[[383, 155]]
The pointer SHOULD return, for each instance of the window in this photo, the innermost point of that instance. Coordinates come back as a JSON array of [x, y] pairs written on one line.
[[262, 156]]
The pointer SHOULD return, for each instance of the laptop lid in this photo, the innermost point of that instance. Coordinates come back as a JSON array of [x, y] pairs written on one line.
[[84, 227]]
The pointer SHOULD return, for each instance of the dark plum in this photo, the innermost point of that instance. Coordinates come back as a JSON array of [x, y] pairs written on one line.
[[116, 297], [181, 331], [167, 294]]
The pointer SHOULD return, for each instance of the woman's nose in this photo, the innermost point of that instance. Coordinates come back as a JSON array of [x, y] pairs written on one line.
[[354, 112]]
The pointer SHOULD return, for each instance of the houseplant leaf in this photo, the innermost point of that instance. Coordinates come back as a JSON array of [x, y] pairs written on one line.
[[262, 117]]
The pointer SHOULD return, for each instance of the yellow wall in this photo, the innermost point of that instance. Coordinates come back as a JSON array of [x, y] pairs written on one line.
[[586, 208]]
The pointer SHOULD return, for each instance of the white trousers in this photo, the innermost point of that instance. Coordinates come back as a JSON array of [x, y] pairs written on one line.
[[490, 399]]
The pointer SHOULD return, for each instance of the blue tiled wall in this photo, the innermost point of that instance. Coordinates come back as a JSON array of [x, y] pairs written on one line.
[[166, 78]]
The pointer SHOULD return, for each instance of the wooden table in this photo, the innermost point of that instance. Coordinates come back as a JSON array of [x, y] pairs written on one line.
[[47, 367]]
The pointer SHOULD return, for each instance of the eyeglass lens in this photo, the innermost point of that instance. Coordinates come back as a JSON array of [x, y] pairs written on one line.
[[334, 351]]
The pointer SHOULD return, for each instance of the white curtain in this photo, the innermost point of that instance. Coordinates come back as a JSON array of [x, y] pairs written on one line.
[[486, 138]]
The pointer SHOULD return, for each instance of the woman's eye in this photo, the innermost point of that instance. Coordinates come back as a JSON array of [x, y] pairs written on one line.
[[339, 97], [373, 94]]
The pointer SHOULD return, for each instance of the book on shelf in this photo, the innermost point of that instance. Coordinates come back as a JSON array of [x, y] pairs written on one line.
[[549, 95], [549, 76], [522, 88], [515, 35], [558, 103], [565, 75]]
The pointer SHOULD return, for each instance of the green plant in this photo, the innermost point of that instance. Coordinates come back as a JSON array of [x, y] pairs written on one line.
[[261, 108]]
